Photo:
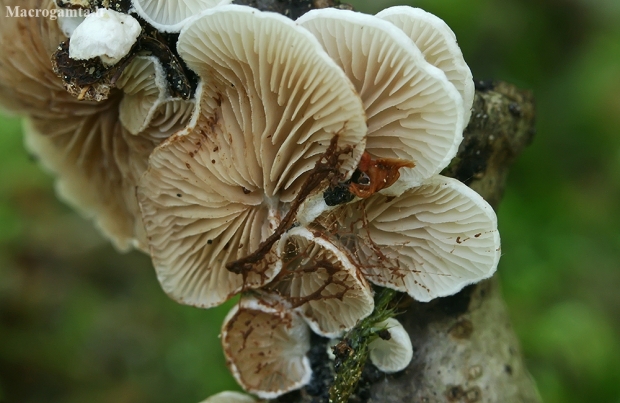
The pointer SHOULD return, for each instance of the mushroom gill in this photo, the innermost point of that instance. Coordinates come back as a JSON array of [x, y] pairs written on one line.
[[277, 117], [320, 280], [96, 161], [265, 344]]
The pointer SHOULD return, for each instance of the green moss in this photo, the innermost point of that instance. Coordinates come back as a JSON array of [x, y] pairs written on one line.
[[352, 352]]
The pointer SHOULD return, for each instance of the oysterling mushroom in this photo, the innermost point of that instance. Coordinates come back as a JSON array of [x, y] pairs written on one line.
[[147, 103], [265, 344], [97, 162], [321, 281], [391, 351], [414, 113], [278, 119], [438, 44], [430, 242]]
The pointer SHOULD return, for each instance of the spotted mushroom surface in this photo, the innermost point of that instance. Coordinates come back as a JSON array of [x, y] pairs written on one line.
[[430, 242], [321, 281], [274, 111], [265, 344]]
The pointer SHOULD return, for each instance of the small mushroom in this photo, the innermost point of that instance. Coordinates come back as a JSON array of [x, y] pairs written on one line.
[[438, 44], [414, 113], [391, 354], [146, 96], [430, 242], [265, 344], [106, 34], [171, 15], [229, 397], [277, 117], [321, 281]]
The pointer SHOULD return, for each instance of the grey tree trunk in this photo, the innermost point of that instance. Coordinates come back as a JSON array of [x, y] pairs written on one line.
[[465, 349]]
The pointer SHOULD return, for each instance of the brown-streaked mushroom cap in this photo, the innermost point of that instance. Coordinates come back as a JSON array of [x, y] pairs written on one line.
[[394, 352], [229, 397], [265, 344], [430, 242], [274, 106], [438, 44], [414, 112], [96, 161], [319, 278], [171, 15]]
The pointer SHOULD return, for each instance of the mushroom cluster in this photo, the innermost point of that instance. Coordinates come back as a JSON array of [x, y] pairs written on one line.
[[293, 162]]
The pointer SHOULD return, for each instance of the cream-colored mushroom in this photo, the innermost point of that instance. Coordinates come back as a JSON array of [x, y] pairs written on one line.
[[274, 107], [171, 15], [438, 44], [430, 242], [392, 353], [146, 97], [97, 162], [414, 112], [229, 397], [265, 344], [321, 281]]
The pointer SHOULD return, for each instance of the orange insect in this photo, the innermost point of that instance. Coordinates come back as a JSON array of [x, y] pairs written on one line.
[[373, 175]]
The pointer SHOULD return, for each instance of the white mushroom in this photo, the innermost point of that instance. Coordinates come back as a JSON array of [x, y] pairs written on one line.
[[229, 397], [438, 44], [106, 34], [274, 105], [320, 279], [414, 113], [171, 15], [429, 242], [265, 344], [392, 353]]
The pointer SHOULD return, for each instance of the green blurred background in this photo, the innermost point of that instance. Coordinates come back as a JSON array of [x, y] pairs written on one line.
[[82, 323]]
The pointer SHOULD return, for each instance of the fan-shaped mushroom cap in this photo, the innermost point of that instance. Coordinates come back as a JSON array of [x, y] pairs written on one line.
[[438, 44], [272, 104], [229, 397], [330, 291], [171, 15], [146, 96], [429, 242], [414, 112], [393, 354], [105, 33], [265, 344], [96, 161]]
